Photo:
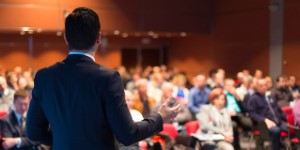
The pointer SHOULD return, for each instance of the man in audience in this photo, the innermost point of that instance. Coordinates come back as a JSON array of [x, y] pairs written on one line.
[[6, 96], [258, 74], [198, 95], [13, 125], [239, 79], [167, 91], [244, 87], [218, 81], [236, 111], [281, 94], [131, 84], [267, 115], [293, 87], [155, 83], [142, 102]]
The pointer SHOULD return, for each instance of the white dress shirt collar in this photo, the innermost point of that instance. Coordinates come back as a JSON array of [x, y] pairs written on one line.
[[82, 53]]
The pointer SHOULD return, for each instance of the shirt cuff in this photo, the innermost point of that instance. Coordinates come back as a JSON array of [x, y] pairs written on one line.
[[19, 143]]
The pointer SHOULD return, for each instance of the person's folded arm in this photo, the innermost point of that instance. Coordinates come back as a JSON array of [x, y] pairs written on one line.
[[119, 118]]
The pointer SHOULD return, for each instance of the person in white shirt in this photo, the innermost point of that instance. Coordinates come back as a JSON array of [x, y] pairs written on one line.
[[136, 115]]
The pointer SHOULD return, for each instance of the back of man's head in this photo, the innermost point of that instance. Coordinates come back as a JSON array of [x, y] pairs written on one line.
[[82, 28]]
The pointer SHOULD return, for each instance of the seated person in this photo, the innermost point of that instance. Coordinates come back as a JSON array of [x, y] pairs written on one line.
[[142, 101], [236, 110], [281, 93], [198, 95], [215, 118], [268, 117], [184, 114], [13, 125]]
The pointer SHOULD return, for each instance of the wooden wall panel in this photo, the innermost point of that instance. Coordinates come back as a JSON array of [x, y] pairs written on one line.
[[291, 43], [155, 15], [242, 35]]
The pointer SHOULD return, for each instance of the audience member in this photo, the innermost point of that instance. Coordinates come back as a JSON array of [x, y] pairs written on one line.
[[236, 110], [267, 115], [244, 87], [22, 83], [124, 75], [293, 87], [210, 79], [13, 125], [218, 81], [167, 94], [6, 96], [281, 94], [135, 114], [142, 102], [215, 119], [258, 74], [180, 91], [136, 117], [239, 79], [131, 84], [12, 80], [198, 95]]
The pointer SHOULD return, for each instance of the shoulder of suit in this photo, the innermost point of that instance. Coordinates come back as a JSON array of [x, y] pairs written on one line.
[[104, 70]]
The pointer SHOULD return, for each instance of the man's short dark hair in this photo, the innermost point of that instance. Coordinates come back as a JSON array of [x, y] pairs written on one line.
[[279, 77], [21, 94], [82, 28]]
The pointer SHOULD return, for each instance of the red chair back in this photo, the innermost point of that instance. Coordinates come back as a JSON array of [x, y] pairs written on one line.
[[170, 130], [290, 120], [192, 127], [3, 114], [287, 110]]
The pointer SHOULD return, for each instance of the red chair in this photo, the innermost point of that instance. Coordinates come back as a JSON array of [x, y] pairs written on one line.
[[3, 114], [170, 130], [192, 127], [287, 110]]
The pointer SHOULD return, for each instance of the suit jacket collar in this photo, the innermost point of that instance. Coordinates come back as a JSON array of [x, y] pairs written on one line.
[[75, 58]]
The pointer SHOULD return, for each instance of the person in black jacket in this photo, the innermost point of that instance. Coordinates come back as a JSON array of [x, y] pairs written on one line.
[[13, 125], [77, 104]]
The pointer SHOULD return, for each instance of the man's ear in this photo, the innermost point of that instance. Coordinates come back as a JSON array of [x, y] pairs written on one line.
[[98, 41], [65, 39]]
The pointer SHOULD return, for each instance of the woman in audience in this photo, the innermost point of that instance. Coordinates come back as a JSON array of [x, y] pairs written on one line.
[[215, 119]]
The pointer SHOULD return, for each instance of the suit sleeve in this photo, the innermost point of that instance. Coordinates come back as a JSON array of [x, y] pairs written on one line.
[[119, 118], [37, 125], [6, 132]]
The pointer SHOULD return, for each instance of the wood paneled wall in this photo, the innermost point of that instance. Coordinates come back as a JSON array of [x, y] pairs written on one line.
[[136, 15]]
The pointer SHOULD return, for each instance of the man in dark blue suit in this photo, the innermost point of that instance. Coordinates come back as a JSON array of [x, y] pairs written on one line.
[[77, 104], [13, 125]]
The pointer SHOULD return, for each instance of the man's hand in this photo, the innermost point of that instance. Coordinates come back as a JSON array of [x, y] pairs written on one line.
[[9, 142], [167, 113], [270, 123]]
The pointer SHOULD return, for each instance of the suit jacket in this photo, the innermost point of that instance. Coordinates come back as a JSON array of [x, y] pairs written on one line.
[[84, 105], [212, 119], [10, 128]]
